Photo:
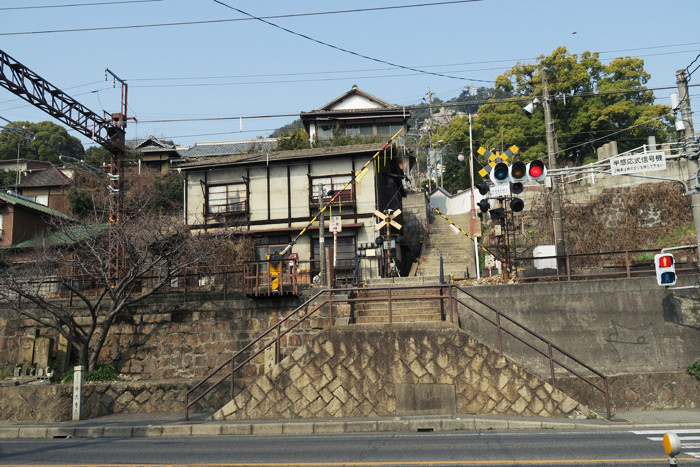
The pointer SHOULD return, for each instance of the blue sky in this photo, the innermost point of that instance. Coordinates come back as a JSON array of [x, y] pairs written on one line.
[[251, 69]]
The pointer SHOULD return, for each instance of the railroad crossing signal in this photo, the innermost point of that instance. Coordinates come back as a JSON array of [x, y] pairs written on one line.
[[388, 219], [495, 159]]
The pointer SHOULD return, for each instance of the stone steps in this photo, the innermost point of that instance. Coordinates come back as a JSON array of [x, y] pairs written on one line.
[[401, 318], [457, 250]]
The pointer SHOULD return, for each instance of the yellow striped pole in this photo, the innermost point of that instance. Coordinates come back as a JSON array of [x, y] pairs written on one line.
[[462, 231]]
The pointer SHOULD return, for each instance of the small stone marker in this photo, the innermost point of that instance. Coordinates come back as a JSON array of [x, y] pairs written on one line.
[[26, 351], [77, 392], [42, 351]]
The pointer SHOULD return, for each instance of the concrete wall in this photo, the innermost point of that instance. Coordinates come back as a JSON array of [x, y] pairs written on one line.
[[616, 326]]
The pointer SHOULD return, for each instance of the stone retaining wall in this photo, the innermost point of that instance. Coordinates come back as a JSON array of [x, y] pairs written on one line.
[[53, 402], [648, 391], [400, 369], [185, 342]]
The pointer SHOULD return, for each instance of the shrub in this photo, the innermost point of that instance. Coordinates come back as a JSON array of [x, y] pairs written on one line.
[[102, 373], [694, 369]]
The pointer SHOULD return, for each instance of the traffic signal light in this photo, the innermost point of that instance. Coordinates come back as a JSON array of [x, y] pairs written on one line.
[[483, 188], [484, 205], [497, 214], [536, 171], [500, 174], [517, 204], [518, 172], [665, 267]]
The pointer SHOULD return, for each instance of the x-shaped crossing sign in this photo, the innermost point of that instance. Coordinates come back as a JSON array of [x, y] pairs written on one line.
[[494, 159], [387, 219]]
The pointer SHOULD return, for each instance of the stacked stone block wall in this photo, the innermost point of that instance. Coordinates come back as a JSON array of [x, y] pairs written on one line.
[[354, 371], [187, 342], [53, 402]]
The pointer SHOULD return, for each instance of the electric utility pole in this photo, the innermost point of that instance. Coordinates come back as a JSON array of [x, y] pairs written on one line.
[[552, 150], [690, 147]]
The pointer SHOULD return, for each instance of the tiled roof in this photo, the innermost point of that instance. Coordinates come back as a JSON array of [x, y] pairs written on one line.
[[67, 236], [262, 157], [26, 203], [230, 147], [359, 92], [47, 177], [153, 144]]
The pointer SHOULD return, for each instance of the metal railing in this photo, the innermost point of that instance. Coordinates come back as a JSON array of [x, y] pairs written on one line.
[[454, 295], [501, 321], [606, 265], [252, 350]]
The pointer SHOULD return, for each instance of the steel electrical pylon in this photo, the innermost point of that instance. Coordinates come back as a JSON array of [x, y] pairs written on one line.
[[109, 132]]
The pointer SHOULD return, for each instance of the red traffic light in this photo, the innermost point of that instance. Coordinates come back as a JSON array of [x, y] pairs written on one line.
[[536, 170], [665, 261]]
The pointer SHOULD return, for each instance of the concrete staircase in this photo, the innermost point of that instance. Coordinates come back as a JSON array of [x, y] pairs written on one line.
[[376, 311], [457, 249]]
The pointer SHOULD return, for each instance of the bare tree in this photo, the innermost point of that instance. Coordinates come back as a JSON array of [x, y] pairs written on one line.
[[76, 258]]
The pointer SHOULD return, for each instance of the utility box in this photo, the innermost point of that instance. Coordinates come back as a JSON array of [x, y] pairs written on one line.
[[542, 251]]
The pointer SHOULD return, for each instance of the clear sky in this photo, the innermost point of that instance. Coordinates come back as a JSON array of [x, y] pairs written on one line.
[[248, 69]]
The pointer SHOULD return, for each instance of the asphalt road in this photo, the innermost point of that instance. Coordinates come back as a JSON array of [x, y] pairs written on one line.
[[399, 449]]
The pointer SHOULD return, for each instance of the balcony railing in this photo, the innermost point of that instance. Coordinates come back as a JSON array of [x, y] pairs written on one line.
[[228, 209]]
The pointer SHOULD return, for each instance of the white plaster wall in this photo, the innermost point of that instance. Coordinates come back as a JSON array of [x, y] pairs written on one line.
[[353, 102]]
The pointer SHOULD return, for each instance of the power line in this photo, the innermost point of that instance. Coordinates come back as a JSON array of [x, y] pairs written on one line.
[[37, 7], [416, 106], [322, 72], [687, 69], [341, 49], [229, 20]]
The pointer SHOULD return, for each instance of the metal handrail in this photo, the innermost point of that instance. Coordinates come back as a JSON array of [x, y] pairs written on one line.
[[628, 272], [231, 360], [550, 346], [391, 297]]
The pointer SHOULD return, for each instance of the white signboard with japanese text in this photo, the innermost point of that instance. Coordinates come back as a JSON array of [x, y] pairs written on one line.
[[647, 162], [336, 224], [499, 190]]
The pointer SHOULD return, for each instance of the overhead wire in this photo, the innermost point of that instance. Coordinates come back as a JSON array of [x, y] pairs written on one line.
[[69, 5], [229, 20], [690, 73], [342, 49]]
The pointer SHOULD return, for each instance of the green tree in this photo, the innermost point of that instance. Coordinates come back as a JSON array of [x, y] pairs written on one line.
[[7, 179], [293, 139], [96, 156], [288, 128], [50, 141], [588, 106], [168, 192]]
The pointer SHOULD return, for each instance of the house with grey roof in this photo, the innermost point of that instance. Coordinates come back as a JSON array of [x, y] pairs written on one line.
[[155, 154], [356, 114], [251, 187]]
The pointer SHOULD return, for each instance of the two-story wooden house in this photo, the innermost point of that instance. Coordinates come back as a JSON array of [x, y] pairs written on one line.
[[273, 195]]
